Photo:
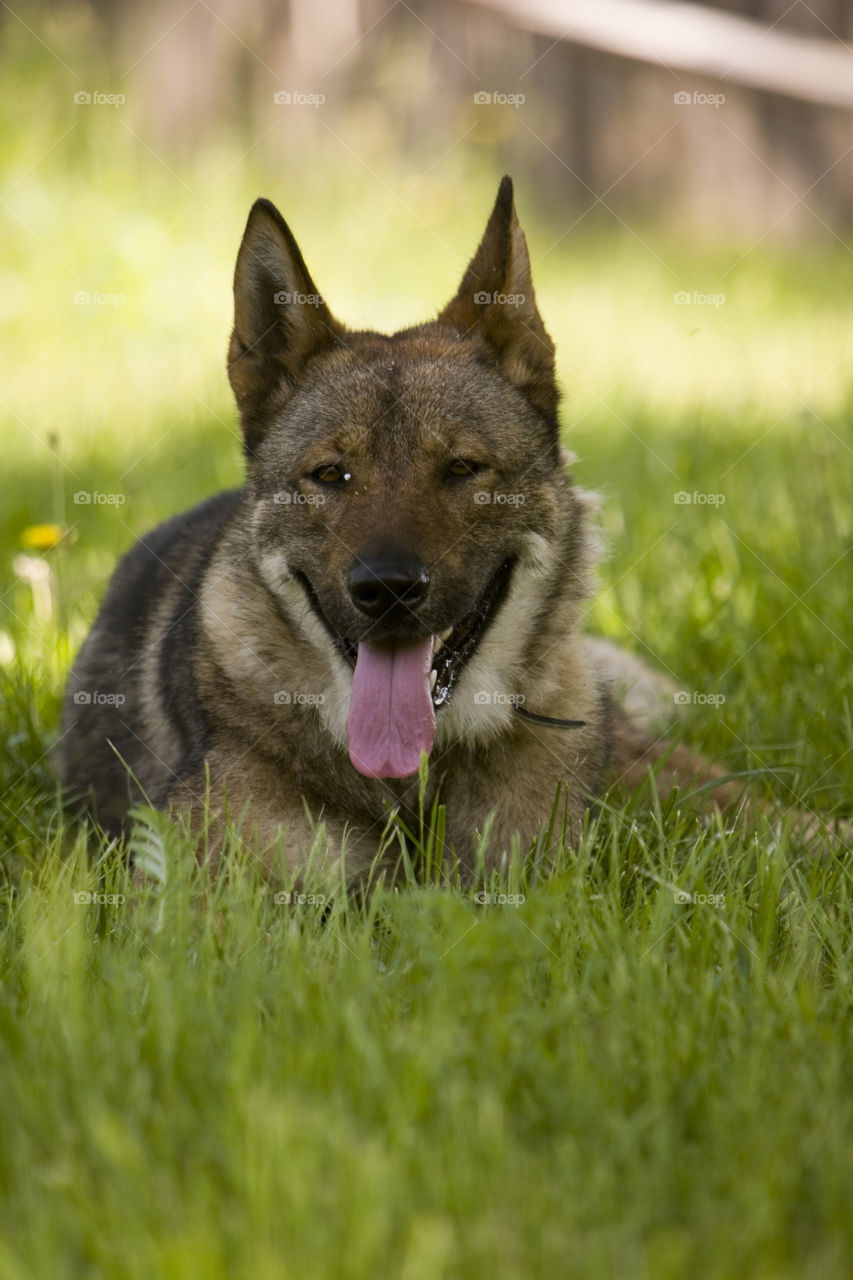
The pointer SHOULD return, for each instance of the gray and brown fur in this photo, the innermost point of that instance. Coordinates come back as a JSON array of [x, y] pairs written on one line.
[[222, 608]]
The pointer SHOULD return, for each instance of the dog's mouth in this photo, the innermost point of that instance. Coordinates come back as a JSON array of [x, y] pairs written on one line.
[[454, 648], [399, 683]]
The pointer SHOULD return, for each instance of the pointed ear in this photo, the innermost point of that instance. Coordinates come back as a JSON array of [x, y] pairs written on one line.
[[280, 320], [496, 302]]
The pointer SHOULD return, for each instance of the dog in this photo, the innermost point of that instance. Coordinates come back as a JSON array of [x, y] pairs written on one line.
[[400, 579]]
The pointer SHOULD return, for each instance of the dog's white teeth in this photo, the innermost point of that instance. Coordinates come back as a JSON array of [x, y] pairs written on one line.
[[433, 676], [444, 636]]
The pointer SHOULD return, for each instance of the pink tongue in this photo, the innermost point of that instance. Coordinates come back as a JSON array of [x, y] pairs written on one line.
[[391, 716]]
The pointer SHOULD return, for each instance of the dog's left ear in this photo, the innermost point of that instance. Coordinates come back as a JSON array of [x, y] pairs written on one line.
[[496, 302]]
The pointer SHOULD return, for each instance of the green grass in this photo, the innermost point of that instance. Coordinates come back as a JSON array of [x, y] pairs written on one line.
[[643, 1069], [603, 1080]]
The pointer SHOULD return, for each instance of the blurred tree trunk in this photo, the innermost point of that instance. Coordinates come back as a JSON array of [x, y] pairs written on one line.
[[595, 130]]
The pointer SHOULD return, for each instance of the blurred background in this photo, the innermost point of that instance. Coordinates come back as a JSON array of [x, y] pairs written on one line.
[[684, 174], [661, 151]]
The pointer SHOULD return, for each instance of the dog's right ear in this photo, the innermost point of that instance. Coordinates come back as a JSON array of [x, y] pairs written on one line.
[[280, 320]]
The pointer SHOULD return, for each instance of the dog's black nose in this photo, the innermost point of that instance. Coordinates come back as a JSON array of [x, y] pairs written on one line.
[[388, 586]]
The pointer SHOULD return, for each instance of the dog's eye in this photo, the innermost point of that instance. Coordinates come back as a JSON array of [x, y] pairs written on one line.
[[461, 467], [331, 473]]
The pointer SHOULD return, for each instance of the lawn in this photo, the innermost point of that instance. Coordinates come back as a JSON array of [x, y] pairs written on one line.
[[635, 1065]]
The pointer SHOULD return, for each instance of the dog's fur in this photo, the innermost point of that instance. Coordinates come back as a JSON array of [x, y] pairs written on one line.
[[222, 653]]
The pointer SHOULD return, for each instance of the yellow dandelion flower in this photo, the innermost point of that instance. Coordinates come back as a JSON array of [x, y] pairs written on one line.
[[41, 537]]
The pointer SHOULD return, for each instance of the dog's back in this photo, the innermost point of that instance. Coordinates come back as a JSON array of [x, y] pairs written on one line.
[[132, 719]]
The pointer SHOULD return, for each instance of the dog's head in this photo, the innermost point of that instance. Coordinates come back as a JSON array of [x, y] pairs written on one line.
[[402, 483]]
